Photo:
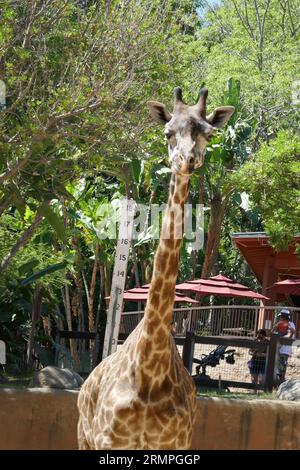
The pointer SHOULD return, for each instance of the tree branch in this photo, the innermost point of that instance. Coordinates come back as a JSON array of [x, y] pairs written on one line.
[[247, 29], [25, 238]]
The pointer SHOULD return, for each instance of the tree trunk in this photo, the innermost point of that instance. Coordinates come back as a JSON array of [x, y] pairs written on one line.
[[79, 286], [35, 316], [136, 271], [194, 259], [100, 298], [218, 207], [107, 280], [92, 292], [67, 304], [86, 289], [143, 270], [25, 237], [195, 253], [135, 268], [66, 298], [80, 316], [103, 290]]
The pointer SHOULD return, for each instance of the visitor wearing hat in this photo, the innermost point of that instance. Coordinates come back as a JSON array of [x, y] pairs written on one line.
[[282, 326], [286, 328]]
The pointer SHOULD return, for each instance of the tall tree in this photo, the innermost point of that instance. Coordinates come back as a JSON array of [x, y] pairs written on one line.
[[272, 180]]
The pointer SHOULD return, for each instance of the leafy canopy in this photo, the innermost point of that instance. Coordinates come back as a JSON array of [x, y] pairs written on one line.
[[272, 180]]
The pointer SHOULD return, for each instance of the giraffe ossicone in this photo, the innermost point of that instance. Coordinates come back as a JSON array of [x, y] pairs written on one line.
[[141, 396]]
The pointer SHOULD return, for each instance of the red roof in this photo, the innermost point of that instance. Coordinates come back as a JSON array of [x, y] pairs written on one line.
[[219, 286], [140, 294], [256, 250]]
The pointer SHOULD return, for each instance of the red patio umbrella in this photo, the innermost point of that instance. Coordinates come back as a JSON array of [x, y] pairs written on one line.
[[287, 287], [140, 294], [220, 286]]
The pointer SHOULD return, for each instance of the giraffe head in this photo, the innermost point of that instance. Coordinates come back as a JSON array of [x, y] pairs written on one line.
[[188, 129]]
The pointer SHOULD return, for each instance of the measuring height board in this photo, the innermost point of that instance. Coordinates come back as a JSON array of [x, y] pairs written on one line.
[[119, 277]]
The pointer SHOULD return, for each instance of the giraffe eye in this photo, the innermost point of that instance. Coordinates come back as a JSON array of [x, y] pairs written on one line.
[[168, 135]]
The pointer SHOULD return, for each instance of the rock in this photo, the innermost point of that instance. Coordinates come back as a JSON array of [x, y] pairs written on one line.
[[289, 390], [54, 377]]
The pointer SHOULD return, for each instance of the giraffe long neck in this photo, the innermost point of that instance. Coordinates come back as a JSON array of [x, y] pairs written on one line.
[[155, 334], [159, 307]]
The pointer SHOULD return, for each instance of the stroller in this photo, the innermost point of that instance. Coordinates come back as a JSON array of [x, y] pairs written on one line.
[[212, 359]]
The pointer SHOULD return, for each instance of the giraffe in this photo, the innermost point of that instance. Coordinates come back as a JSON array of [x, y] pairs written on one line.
[[141, 396]]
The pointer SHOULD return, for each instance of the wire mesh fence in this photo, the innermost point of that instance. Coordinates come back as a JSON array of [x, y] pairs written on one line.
[[228, 365], [293, 365], [243, 363]]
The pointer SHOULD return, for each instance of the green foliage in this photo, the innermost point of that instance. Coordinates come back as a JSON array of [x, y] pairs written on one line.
[[54, 220], [272, 180], [256, 43], [48, 270]]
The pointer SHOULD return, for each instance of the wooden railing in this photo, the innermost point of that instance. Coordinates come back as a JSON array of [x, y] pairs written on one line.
[[233, 320]]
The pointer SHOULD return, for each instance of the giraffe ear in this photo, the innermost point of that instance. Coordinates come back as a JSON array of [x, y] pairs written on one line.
[[220, 116], [159, 112]]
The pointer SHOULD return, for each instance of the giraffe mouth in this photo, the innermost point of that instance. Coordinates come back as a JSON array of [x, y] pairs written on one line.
[[184, 170], [178, 171]]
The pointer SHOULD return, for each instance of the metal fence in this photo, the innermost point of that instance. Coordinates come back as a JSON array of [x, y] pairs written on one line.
[[224, 320], [222, 362]]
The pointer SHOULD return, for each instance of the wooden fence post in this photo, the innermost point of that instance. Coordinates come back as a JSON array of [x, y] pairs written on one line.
[[188, 350], [271, 363]]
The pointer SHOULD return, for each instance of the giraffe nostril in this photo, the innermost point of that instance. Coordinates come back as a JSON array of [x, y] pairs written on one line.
[[209, 134], [192, 160]]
